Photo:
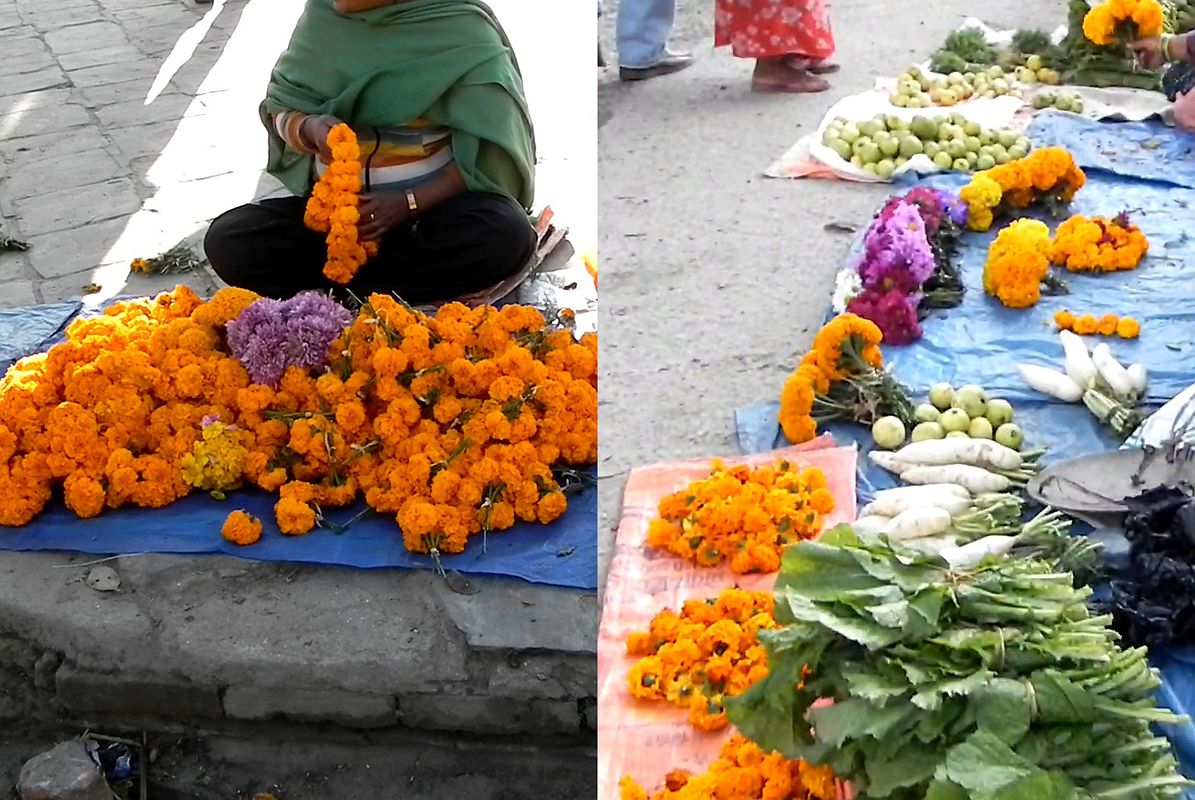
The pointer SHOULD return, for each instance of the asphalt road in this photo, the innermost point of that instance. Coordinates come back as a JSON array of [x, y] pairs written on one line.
[[713, 276]]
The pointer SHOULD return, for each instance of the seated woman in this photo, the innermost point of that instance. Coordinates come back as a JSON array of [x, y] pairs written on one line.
[[434, 93]]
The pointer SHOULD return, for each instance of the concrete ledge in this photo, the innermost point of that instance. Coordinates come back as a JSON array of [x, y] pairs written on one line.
[[490, 715], [91, 693], [302, 705]]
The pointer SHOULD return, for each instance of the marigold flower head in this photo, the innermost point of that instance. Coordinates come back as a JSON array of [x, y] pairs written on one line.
[[241, 528]]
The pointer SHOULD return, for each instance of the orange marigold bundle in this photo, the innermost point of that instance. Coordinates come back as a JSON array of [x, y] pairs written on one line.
[[1017, 264], [707, 652], [742, 771], [1049, 175], [841, 377], [1107, 325], [743, 515], [1098, 244], [455, 424], [332, 207], [1113, 21]]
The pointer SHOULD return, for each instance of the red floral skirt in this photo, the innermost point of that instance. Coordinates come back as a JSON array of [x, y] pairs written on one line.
[[770, 28]]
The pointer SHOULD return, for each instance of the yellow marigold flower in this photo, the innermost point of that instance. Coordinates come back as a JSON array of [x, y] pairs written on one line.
[[1065, 320], [1107, 325], [241, 528], [1086, 325]]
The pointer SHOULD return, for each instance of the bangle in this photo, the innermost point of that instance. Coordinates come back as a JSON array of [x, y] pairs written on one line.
[[1167, 41], [412, 203]]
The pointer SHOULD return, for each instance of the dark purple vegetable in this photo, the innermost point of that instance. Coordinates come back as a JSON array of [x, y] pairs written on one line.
[[1154, 603]]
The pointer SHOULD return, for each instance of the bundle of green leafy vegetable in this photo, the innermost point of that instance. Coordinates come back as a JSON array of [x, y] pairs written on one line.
[[1089, 64], [1153, 602], [988, 683]]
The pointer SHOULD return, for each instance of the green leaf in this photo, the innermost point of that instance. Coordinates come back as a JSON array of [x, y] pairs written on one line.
[[1059, 701], [1039, 786], [984, 763], [869, 634], [913, 765], [891, 615], [847, 719], [820, 571], [1002, 707], [875, 686], [942, 790]]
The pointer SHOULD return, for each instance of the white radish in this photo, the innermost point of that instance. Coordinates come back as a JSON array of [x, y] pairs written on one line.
[[1051, 382], [1079, 366], [932, 545], [952, 489], [888, 461], [971, 554], [1139, 377], [870, 526], [918, 523], [974, 479], [1116, 376], [950, 503], [976, 452]]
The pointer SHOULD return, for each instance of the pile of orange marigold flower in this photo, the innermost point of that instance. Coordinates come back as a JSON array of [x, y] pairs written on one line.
[[742, 771], [1098, 244], [707, 652], [742, 515], [1046, 175], [1133, 19], [1017, 263], [451, 423]]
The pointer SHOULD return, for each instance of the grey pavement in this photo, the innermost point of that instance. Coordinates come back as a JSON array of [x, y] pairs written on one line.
[[125, 126], [714, 277]]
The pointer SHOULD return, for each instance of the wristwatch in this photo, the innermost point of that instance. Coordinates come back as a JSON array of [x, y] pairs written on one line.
[[412, 203]]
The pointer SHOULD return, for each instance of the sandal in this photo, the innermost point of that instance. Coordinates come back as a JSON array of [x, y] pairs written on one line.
[[812, 67], [799, 83]]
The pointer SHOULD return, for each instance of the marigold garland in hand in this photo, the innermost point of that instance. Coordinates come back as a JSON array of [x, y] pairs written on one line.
[[1135, 19], [707, 652], [742, 771], [1107, 325], [332, 208], [1016, 264], [452, 424], [742, 515], [1098, 244], [1048, 174]]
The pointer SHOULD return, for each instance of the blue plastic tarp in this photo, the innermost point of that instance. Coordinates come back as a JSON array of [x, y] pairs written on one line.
[[981, 342], [1148, 150], [561, 554]]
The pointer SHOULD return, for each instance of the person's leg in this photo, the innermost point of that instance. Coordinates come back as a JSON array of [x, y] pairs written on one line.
[[643, 28], [467, 243], [265, 247]]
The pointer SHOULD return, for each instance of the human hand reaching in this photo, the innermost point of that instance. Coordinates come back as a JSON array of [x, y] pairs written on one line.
[[315, 129], [1148, 52], [381, 212]]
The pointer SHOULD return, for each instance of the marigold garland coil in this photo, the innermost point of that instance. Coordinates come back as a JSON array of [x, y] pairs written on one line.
[[1137, 19], [332, 208], [705, 653], [1049, 173], [1090, 325], [1016, 263], [452, 424], [1098, 244], [742, 771], [742, 515], [843, 346]]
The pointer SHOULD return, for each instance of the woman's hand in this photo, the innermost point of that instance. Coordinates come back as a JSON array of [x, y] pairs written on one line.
[[1148, 52], [381, 212], [314, 131]]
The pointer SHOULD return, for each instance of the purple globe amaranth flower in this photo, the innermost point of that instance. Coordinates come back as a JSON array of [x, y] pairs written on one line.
[[893, 311], [271, 335]]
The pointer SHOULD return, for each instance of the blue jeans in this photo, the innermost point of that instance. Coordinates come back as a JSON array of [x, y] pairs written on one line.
[[643, 30]]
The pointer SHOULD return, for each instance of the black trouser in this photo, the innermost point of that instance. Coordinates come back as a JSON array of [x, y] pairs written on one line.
[[464, 244]]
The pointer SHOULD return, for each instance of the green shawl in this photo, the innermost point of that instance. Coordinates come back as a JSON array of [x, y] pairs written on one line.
[[445, 61]]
